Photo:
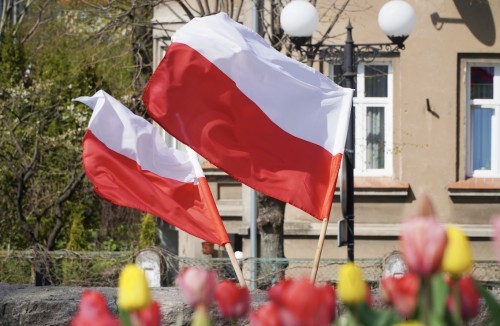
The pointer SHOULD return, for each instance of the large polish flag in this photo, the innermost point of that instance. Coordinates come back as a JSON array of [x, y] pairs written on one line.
[[129, 164], [269, 121]]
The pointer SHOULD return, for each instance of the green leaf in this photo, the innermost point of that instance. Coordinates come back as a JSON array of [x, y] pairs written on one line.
[[369, 316], [439, 290], [124, 318], [491, 302]]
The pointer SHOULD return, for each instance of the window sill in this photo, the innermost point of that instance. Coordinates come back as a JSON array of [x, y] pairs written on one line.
[[378, 186], [475, 187], [363, 186]]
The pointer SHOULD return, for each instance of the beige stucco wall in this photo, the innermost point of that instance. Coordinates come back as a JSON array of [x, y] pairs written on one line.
[[429, 147]]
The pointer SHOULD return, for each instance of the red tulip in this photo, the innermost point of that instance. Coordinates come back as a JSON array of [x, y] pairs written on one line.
[[402, 293], [150, 316], [302, 303], [469, 297], [276, 291], [267, 315], [423, 241], [233, 301], [93, 310], [197, 286]]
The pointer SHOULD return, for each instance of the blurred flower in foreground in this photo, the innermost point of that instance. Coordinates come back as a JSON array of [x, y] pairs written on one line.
[[457, 259], [495, 222], [423, 241], [134, 298], [402, 293], [267, 315], [93, 310], [351, 287], [233, 301], [197, 286], [133, 290], [297, 303], [468, 295], [150, 316]]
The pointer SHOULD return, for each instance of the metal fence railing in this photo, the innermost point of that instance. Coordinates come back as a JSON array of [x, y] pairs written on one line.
[[93, 269]]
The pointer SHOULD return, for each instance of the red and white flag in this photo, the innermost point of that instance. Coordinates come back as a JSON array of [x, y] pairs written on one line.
[[269, 121], [129, 164]]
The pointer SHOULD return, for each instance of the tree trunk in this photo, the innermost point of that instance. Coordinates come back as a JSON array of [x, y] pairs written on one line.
[[270, 222]]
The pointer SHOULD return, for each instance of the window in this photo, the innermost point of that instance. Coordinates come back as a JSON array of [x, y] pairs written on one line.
[[483, 119], [373, 111]]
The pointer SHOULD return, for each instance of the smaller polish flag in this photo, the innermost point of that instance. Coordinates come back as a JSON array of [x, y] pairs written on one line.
[[129, 164]]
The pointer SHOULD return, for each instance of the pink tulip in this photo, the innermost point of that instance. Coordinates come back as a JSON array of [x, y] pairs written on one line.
[[197, 286], [469, 297], [423, 241], [233, 301], [267, 315], [402, 293], [93, 310], [495, 222]]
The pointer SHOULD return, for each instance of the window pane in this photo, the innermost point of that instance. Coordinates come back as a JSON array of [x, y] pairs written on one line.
[[481, 138], [376, 80], [481, 80], [336, 74], [375, 144]]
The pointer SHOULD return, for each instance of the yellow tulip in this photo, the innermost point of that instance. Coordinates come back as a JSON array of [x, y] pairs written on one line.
[[457, 259], [133, 290], [351, 287]]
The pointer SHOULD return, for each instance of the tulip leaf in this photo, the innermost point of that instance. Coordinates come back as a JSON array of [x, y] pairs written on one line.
[[439, 290], [372, 317], [491, 302], [124, 317]]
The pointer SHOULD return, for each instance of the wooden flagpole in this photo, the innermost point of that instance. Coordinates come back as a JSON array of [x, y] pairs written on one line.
[[319, 248], [212, 207]]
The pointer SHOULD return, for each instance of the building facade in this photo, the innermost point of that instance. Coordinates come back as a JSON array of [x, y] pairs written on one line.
[[427, 121]]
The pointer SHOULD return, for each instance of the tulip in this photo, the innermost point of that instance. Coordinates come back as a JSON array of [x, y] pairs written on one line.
[[300, 302], [468, 295], [150, 316], [423, 241], [133, 290], [93, 310], [495, 222], [402, 293], [267, 315], [233, 301], [351, 287], [197, 286], [457, 258]]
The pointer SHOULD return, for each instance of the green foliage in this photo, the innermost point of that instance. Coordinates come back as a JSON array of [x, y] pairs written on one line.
[[12, 61], [75, 51], [148, 231], [77, 239], [15, 270]]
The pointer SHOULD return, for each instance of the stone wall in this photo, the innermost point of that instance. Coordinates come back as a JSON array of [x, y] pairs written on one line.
[[56, 305]]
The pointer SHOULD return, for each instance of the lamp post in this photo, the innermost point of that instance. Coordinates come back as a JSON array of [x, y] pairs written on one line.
[[299, 20]]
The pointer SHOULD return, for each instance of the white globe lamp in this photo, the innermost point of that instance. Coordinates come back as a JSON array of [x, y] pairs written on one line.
[[299, 20], [397, 19]]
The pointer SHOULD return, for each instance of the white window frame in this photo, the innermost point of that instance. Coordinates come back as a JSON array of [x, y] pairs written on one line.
[[361, 103], [494, 104]]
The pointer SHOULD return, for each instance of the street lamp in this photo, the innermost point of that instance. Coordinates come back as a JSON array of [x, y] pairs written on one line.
[[299, 20]]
